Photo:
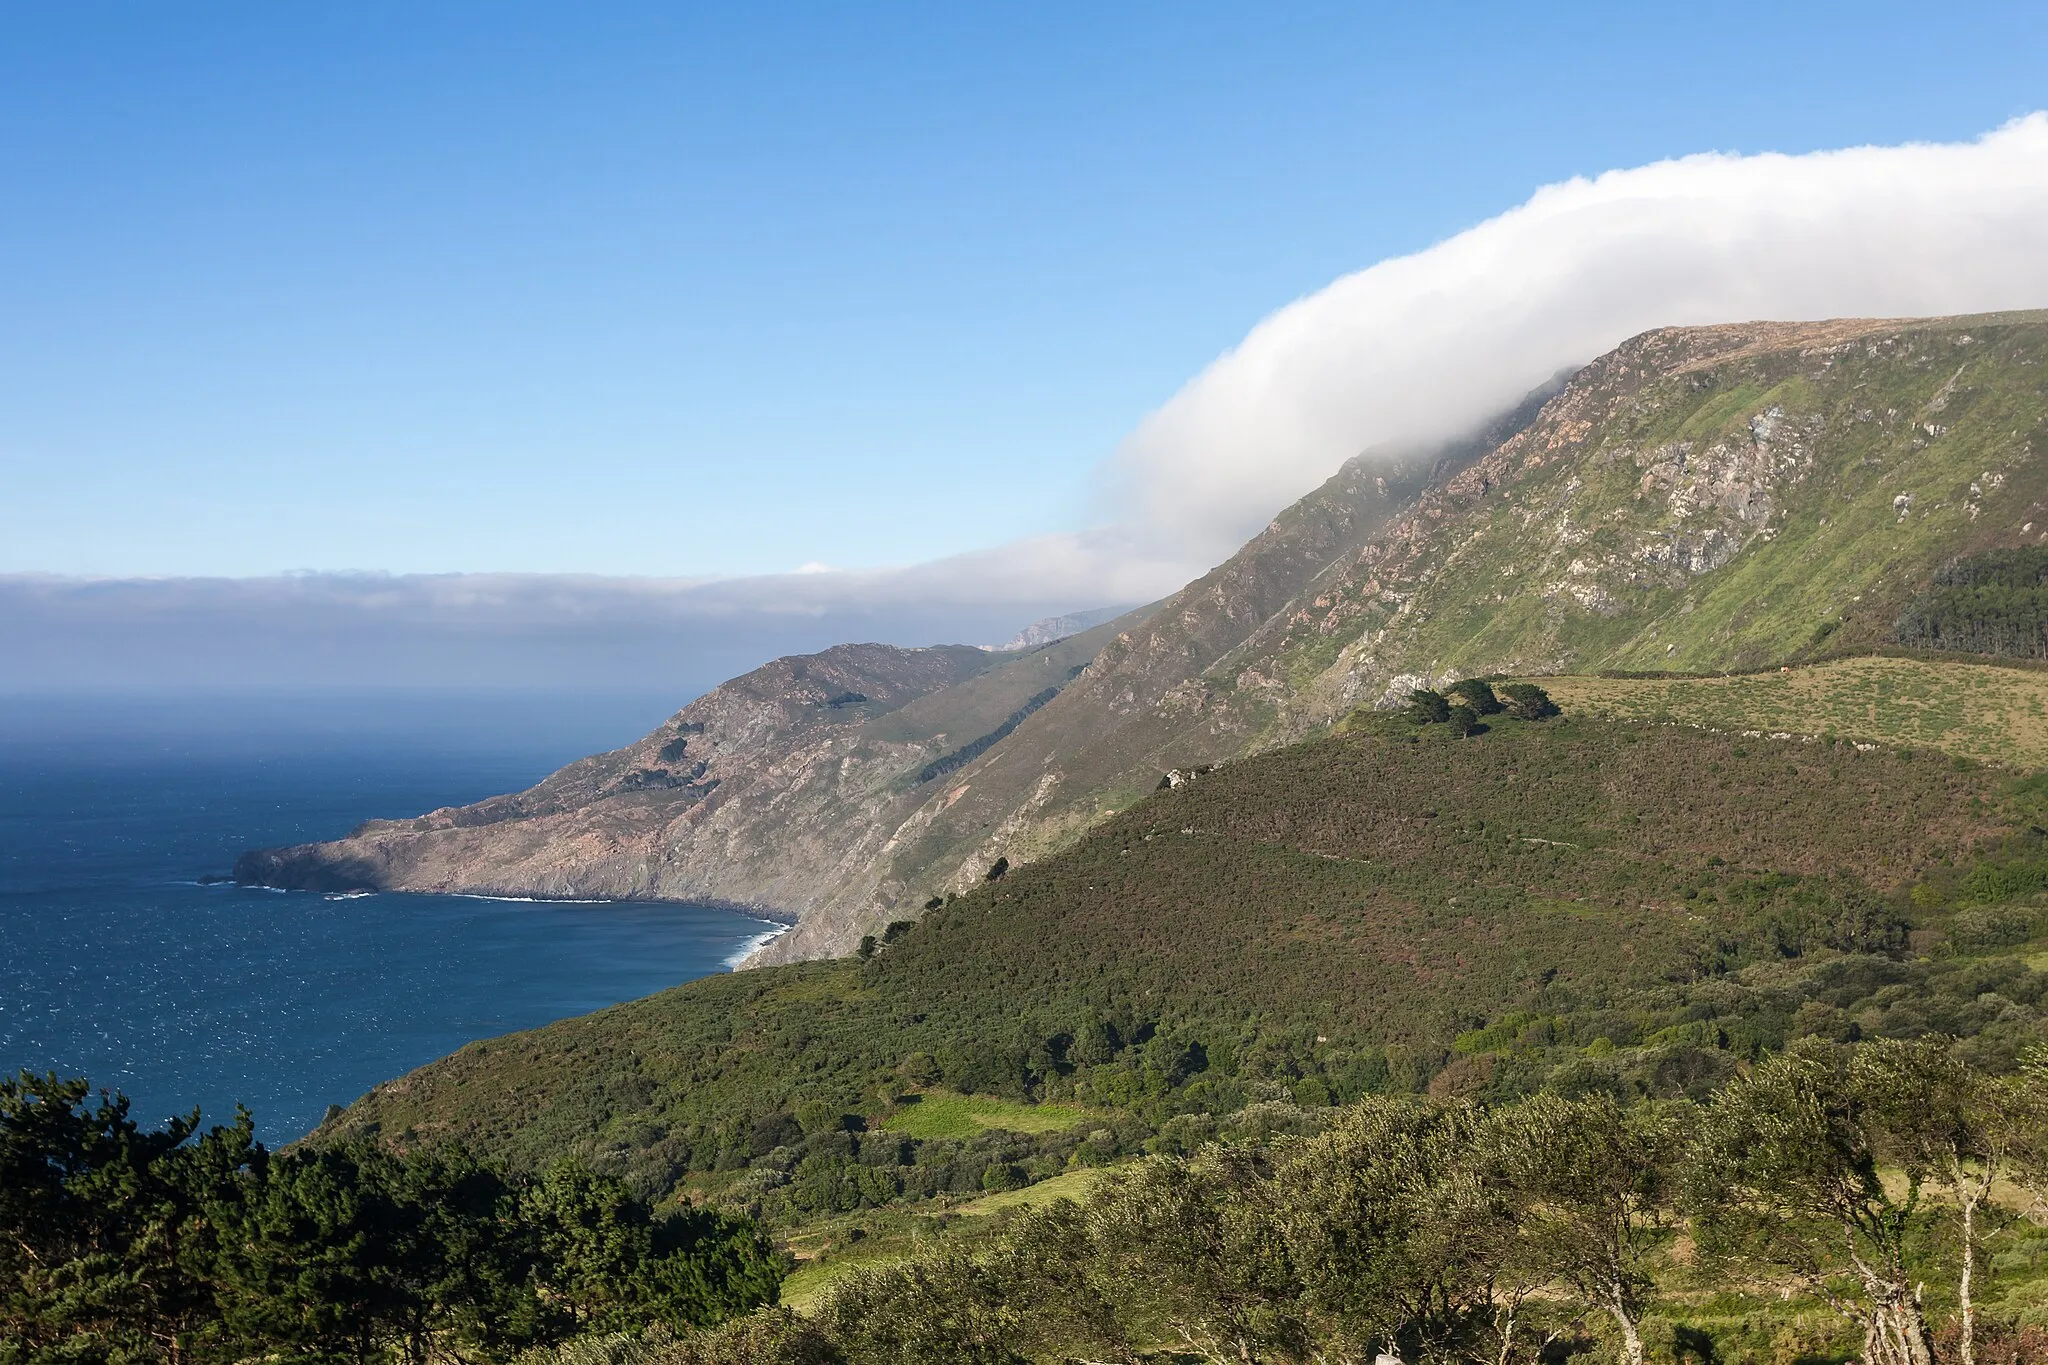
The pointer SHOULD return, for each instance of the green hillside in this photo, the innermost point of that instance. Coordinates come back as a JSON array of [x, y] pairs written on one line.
[[1640, 908], [1578, 908], [1699, 499], [1776, 839]]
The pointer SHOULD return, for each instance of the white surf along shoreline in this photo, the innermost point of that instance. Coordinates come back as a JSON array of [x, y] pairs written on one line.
[[757, 943], [771, 930]]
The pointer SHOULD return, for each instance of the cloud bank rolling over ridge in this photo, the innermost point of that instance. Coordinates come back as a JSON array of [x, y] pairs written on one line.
[[1410, 352], [551, 632], [1424, 348]]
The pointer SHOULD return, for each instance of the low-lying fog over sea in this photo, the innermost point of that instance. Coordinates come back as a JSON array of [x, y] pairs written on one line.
[[117, 963]]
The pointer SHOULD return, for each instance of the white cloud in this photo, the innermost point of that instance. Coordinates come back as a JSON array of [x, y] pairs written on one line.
[[1424, 347], [513, 631], [1412, 351]]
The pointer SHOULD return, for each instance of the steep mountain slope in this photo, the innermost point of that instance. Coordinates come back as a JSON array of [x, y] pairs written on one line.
[[1104, 742], [1705, 498], [773, 791], [1697, 499], [822, 787]]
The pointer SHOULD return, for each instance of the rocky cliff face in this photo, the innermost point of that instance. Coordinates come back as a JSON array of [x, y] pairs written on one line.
[[1699, 498], [773, 792], [1142, 706]]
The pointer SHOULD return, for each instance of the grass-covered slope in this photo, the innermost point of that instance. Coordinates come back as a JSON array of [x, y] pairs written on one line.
[[1714, 498], [1394, 889], [1625, 906], [1994, 713]]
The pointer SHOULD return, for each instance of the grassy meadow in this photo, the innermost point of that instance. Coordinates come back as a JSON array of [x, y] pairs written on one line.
[[827, 1253], [943, 1114], [1994, 713]]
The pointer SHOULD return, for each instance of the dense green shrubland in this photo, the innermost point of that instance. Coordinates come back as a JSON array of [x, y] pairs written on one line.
[[125, 1244], [1395, 925], [1589, 908], [1865, 1201]]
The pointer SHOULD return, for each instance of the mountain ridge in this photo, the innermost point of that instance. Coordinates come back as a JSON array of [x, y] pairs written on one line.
[[1049, 629], [673, 815]]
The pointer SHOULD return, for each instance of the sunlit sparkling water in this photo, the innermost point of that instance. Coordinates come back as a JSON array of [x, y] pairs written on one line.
[[115, 963]]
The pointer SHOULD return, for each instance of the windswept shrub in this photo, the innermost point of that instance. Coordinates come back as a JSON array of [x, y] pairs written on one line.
[[1527, 701], [770, 1336], [1428, 707]]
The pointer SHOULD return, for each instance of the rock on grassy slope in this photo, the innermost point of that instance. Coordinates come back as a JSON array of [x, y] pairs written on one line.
[[1697, 499]]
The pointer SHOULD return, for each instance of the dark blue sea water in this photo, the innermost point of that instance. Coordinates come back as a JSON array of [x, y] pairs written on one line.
[[116, 964]]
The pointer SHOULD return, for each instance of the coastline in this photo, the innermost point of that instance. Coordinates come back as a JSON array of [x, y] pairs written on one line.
[[779, 922], [757, 942]]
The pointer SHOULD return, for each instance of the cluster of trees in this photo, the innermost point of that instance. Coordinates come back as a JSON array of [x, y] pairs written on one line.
[[1465, 704], [1517, 1233], [125, 1244], [1993, 603], [1437, 1231], [870, 945]]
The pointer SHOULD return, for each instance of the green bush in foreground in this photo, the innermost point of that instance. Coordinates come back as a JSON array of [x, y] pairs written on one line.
[[122, 1244]]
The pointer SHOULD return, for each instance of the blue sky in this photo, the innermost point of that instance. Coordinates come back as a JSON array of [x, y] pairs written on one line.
[[674, 290]]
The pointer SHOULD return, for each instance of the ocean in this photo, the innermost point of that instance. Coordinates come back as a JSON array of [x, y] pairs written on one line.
[[118, 964]]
